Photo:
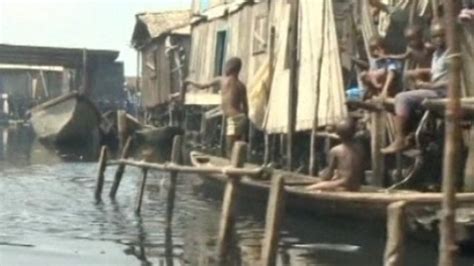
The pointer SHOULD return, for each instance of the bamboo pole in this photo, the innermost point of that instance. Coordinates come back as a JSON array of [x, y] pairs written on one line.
[[120, 169], [275, 209], [175, 158], [395, 246], [100, 176], [229, 205], [293, 86], [453, 137], [313, 164], [139, 200]]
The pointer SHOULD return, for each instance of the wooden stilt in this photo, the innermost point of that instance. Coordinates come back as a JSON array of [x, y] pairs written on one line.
[[250, 140], [378, 142], [222, 137], [469, 174], [395, 248], [139, 200], [453, 138], [275, 209], [229, 205], [282, 149], [271, 61], [175, 158], [267, 150], [122, 127], [292, 95], [100, 176], [120, 168]]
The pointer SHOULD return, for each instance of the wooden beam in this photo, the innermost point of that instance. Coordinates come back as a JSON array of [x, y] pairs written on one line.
[[120, 168], [469, 173], [293, 86], [275, 209], [138, 205], [229, 204], [395, 246], [170, 167], [271, 62], [453, 139], [176, 158], [377, 143], [100, 176]]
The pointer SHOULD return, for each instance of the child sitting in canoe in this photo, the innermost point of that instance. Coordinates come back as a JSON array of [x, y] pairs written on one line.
[[345, 171]]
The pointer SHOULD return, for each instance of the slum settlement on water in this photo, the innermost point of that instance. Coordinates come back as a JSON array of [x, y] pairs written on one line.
[[360, 109]]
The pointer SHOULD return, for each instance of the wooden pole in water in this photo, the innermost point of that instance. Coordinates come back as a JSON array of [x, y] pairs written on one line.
[[100, 176], [453, 137], [395, 246], [175, 158], [293, 86], [122, 127], [120, 168], [141, 192], [229, 205], [275, 209]]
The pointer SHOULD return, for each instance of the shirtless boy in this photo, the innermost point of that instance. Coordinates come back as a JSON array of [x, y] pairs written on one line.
[[345, 171], [234, 100]]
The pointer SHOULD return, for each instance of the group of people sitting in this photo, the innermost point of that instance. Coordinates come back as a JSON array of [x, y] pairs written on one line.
[[428, 79]]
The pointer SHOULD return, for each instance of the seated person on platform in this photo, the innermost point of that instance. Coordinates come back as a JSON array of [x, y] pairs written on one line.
[[467, 12], [234, 101], [345, 171], [383, 80], [408, 101]]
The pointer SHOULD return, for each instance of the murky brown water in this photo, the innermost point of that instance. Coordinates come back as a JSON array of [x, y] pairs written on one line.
[[48, 217]]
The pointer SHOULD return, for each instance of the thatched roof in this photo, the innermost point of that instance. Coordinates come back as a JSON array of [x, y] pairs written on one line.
[[153, 25]]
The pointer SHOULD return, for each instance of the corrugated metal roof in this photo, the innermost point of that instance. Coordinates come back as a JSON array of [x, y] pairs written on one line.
[[162, 22]]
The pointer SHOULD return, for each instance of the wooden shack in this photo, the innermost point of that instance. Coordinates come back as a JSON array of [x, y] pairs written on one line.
[[162, 41], [32, 74]]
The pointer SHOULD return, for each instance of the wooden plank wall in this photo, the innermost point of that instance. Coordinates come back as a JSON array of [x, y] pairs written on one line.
[[240, 27]]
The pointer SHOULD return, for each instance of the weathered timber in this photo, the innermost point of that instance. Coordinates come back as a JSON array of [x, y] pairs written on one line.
[[100, 176], [364, 105], [453, 138], [275, 209], [122, 127], [440, 106], [469, 173], [395, 246], [120, 169], [175, 158], [377, 143], [139, 201], [271, 62], [229, 204], [169, 167], [293, 86]]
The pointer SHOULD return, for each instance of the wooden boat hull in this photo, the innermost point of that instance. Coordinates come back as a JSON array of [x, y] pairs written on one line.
[[69, 119], [369, 203]]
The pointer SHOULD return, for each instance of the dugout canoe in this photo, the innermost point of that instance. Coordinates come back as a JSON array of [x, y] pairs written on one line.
[[71, 119], [370, 202]]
